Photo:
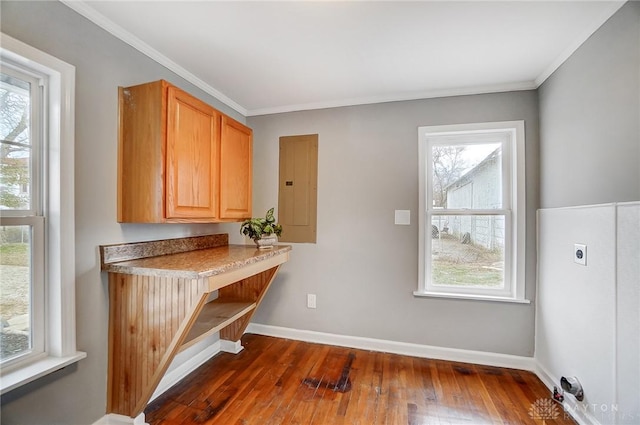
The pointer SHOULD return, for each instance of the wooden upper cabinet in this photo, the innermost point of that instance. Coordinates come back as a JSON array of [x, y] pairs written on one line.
[[177, 155], [235, 170], [193, 142]]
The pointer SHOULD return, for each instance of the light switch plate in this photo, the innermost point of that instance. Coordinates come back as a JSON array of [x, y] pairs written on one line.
[[403, 217], [580, 254]]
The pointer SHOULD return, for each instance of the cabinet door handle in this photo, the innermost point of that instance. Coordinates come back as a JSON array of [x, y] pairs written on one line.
[[288, 183]]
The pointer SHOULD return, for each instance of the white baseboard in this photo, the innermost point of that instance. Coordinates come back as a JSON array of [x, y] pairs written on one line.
[[113, 419], [404, 348], [233, 347], [186, 362]]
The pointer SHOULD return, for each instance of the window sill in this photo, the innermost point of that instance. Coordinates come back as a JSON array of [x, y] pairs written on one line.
[[39, 368], [470, 297]]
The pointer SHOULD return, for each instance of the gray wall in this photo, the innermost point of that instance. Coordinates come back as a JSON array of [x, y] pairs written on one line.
[[77, 394], [364, 268], [590, 119]]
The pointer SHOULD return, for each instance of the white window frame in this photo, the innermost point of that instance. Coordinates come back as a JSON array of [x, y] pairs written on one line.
[[59, 263], [512, 138]]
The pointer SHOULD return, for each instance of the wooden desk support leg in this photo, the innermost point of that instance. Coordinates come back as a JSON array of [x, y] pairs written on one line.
[[250, 289], [149, 318]]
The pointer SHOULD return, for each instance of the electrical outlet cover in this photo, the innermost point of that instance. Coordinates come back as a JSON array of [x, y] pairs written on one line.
[[580, 254]]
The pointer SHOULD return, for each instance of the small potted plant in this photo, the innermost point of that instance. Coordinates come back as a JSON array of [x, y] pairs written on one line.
[[263, 231]]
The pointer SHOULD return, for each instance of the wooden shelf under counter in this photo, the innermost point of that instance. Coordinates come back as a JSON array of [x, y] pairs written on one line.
[[160, 304], [215, 316]]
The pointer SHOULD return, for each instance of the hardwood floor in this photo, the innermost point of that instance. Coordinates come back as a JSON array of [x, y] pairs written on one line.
[[276, 381]]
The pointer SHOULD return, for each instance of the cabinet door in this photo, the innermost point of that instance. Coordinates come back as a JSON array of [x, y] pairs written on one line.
[[235, 169], [193, 135]]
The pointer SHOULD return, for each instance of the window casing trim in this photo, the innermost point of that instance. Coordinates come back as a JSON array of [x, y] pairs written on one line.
[[513, 208], [60, 319]]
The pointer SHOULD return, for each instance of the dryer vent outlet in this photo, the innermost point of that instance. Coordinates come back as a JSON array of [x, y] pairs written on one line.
[[571, 385]]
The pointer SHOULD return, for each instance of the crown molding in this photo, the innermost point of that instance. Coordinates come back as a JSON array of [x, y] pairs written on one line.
[[431, 94], [81, 7], [579, 41], [84, 9]]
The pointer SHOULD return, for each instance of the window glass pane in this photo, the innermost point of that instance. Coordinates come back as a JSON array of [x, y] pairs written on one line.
[[15, 290], [15, 143], [468, 250], [467, 176]]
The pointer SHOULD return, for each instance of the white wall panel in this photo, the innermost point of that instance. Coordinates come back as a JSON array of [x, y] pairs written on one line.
[[588, 319], [575, 334], [628, 314]]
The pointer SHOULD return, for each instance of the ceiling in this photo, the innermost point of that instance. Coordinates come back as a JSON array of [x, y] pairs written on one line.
[[266, 57]]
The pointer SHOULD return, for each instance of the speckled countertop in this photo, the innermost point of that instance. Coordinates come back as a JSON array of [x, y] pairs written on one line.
[[192, 264]]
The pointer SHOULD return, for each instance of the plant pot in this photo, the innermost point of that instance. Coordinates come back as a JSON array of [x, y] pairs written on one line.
[[266, 241]]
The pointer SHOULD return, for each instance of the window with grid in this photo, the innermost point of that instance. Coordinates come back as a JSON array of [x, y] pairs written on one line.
[[21, 215], [472, 211]]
